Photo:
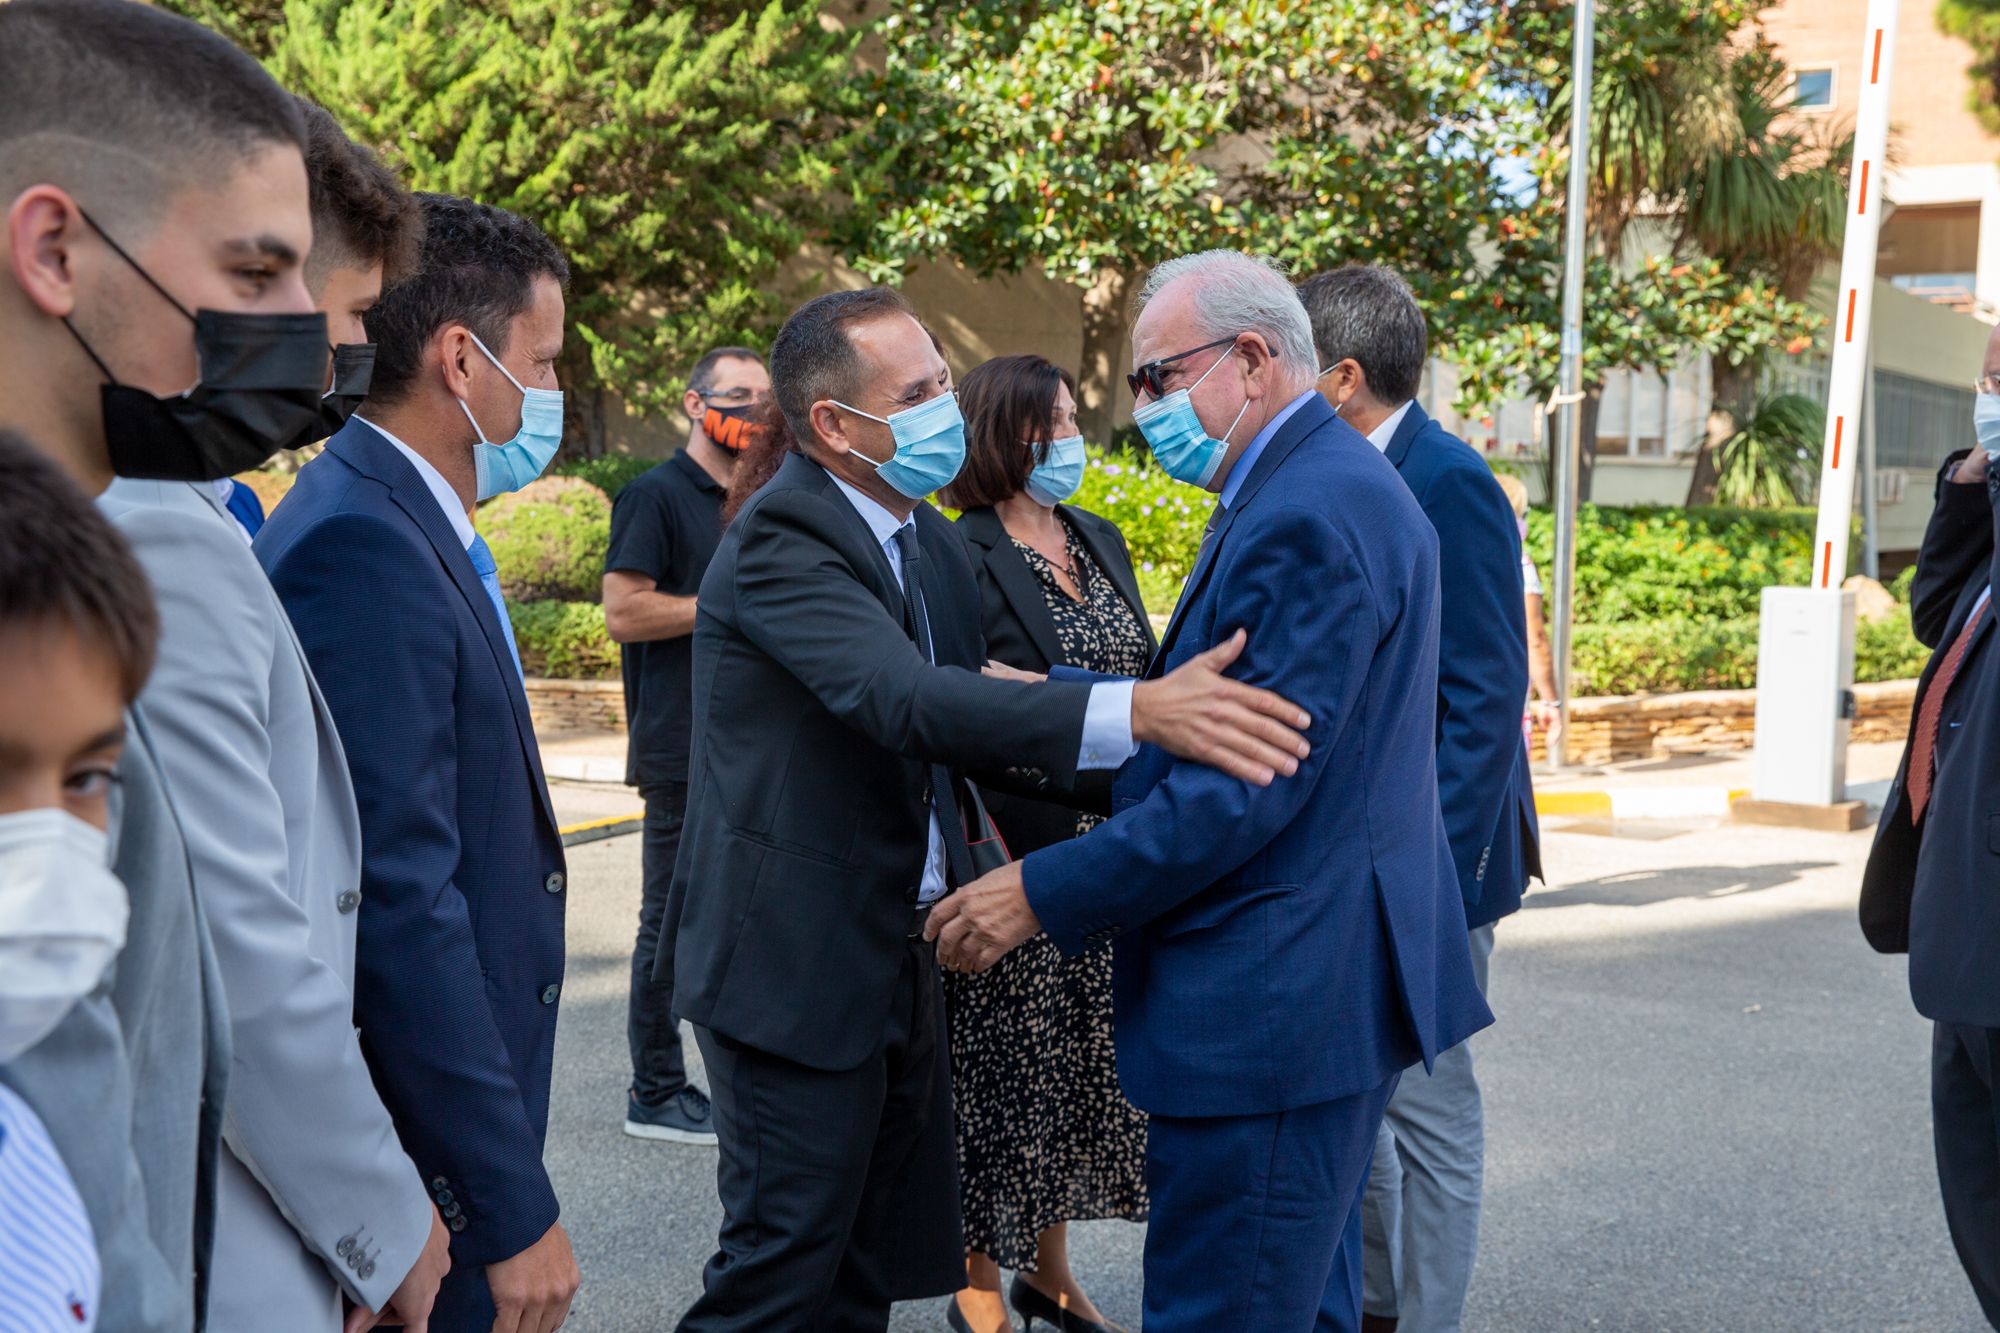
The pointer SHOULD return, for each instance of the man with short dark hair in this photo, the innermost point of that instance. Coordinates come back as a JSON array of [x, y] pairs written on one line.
[[156, 217], [366, 230], [664, 529], [316, 1199], [1421, 1218], [460, 955], [837, 702]]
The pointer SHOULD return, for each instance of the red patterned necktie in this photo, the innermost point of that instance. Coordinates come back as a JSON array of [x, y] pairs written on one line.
[[1924, 753]]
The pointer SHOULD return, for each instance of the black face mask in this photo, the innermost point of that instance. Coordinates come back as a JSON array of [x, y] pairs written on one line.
[[262, 379], [353, 368]]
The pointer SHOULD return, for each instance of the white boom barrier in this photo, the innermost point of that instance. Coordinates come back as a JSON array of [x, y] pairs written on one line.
[[1805, 639], [1840, 457]]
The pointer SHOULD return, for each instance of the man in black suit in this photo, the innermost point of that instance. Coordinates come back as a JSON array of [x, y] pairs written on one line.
[[1931, 879], [837, 699]]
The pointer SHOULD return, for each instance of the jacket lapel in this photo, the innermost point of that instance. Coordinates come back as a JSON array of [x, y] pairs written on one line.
[[801, 472], [367, 451], [1411, 426], [1014, 579], [1115, 563], [1301, 425]]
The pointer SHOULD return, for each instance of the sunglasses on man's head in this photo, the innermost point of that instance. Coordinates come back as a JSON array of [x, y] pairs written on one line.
[[1152, 377]]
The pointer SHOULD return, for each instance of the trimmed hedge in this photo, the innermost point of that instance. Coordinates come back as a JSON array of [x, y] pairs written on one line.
[[548, 540], [566, 640], [1688, 653], [1667, 597], [610, 474]]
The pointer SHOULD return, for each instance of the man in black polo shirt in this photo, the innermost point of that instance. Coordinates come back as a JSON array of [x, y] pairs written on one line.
[[664, 529]]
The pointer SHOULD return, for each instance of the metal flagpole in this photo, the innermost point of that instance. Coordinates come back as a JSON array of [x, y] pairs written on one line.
[[1568, 398]]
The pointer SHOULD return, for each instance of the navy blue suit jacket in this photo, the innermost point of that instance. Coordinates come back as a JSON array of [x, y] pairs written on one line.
[[1483, 782], [1283, 946], [1928, 888], [460, 936]]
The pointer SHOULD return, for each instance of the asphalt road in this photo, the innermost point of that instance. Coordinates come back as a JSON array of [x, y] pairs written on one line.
[[1707, 1106]]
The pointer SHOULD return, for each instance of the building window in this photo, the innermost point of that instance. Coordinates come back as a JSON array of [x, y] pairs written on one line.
[[1812, 89]]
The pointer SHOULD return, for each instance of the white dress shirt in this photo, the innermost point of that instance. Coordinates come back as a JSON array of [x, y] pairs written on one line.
[[1107, 718], [441, 491], [1382, 434]]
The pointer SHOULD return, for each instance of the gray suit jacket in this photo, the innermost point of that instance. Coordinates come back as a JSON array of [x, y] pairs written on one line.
[[316, 1195], [130, 1084]]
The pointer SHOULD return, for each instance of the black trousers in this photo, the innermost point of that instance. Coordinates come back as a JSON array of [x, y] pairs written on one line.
[[839, 1189], [659, 1069], [1965, 1123]]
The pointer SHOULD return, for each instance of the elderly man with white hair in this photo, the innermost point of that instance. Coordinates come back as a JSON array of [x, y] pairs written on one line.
[[1282, 953]]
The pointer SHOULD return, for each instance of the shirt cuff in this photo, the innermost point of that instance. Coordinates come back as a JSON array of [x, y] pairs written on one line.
[[1107, 727]]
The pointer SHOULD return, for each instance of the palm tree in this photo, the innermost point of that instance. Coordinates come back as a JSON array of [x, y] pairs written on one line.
[[1689, 126]]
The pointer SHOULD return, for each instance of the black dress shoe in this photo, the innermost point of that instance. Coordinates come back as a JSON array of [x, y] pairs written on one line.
[[954, 1318], [1032, 1305]]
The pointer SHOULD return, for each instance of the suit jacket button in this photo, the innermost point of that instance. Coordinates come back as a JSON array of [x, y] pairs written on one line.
[[554, 883], [449, 1211], [457, 1223], [549, 994], [439, 1182], [366, 1271], [348, 901]]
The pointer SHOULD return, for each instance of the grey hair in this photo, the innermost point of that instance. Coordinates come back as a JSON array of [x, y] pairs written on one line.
[[1369, 314], [1242, 293]]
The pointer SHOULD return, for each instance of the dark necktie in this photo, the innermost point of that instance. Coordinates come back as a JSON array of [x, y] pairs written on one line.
[[944, 797], [1923, 753], [1208, 533]]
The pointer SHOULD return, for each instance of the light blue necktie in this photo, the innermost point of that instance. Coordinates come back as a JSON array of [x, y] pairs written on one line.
[[489, 579]]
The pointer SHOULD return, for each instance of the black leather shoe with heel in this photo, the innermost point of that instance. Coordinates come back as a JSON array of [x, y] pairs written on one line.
[[1032, 1305]]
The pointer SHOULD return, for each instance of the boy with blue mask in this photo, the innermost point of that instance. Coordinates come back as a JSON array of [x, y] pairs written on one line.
[[397, 602]]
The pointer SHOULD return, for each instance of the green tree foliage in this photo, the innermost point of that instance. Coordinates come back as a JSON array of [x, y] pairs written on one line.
[[1687, 131], [1092, 139], [679, 153], [1978, 23]]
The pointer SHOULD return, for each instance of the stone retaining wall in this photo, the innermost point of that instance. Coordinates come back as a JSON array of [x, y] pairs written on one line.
[[563, 707], [1641, 726], [1634, 726]]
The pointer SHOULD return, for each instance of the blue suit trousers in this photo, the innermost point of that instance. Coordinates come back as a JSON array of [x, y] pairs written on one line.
[[1256, 1220]]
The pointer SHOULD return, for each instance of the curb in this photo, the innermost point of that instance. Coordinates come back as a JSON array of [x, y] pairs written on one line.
[[584, 768], [596, 830], [1641, 802]]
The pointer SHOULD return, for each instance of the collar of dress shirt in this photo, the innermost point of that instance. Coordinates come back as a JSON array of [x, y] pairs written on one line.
[[880, 521], [1382, 434], [441, 491], [1240, 471]]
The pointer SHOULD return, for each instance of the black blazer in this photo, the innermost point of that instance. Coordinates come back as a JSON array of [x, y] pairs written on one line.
[[1021, 633], [815, 721], [1931, 893]]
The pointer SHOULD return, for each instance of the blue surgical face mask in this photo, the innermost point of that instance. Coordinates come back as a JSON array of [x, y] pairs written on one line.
[[510, 466], [1986, 421], [1056, 477], [1177, 438], [930, 445]]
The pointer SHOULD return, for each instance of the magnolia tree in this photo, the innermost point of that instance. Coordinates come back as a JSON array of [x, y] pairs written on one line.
[[1094, 139]]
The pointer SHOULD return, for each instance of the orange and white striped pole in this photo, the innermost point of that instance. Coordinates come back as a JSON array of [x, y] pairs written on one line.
[[1840, 457]]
